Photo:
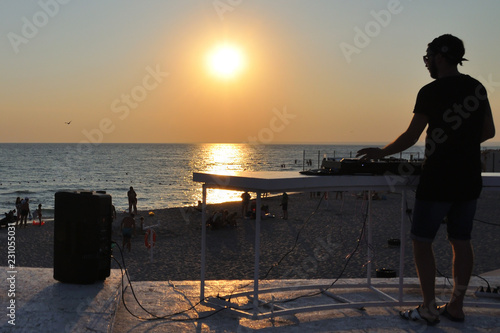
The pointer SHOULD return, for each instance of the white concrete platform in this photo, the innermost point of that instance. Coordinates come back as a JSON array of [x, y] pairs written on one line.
[[46, 305], [43, 304]]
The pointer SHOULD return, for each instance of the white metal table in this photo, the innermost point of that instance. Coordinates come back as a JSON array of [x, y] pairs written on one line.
[[292, 181]]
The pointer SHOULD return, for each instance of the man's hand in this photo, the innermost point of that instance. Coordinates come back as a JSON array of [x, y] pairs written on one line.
[[370, 153]]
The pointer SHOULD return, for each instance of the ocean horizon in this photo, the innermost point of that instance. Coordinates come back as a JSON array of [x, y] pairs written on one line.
[[161, 174]]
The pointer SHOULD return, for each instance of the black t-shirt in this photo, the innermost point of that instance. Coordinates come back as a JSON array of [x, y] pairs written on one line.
[[455, 107]]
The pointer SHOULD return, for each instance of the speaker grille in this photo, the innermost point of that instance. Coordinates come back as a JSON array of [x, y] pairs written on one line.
[[82, 236]]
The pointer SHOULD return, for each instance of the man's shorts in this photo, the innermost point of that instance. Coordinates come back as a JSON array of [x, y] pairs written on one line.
[[127, 232], [429, 215]]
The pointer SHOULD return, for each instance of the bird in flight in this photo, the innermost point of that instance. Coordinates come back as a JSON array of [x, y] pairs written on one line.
[[68, 122]]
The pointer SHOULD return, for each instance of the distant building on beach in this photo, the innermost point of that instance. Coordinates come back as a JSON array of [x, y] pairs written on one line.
[[490, 159]]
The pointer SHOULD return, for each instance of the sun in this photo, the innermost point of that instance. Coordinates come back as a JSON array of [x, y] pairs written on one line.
[[226, 61]]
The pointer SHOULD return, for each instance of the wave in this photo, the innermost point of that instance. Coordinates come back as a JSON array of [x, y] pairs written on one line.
[[19, 193]]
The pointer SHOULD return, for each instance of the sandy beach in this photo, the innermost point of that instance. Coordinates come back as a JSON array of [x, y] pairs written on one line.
[[318, 241]]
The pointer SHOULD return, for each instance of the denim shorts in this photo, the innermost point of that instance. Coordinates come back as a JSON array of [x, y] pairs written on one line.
[[429, 215]]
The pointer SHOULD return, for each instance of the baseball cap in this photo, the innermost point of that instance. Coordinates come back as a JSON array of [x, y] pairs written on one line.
[[451, 47]]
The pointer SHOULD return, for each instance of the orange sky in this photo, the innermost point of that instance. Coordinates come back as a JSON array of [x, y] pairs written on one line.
[[320, 71]]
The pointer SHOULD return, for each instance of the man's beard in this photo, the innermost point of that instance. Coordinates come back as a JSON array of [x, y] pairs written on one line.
[[432, 70]]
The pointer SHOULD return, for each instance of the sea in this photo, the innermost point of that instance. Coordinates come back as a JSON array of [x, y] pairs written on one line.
[[161, 174]]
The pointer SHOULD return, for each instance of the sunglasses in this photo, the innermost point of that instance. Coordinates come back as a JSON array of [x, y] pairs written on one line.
[[426, 57]]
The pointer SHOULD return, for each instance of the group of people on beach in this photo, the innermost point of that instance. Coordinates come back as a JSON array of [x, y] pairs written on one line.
[[23, 212], [128, 224], [221, 218], [249, 212]]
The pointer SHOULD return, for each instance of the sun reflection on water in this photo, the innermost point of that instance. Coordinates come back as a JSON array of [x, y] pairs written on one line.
[[225, 159]]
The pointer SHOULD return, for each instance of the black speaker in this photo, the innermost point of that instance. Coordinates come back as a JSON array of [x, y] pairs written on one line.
[[82, 236]]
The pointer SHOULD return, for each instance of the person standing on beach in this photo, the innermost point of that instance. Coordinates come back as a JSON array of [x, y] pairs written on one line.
[[127, 227], [25, 211], [284, 205], [132, 200], [456, 111], [245, 202], [39, 214], [142, 224], [18, 210]]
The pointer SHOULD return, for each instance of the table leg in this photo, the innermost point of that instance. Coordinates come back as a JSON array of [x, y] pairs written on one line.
[[257, 254], [203, 242], [402, 245], [369, 241]]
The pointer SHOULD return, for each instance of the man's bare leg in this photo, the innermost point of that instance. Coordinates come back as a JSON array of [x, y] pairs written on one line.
[[463, 261], [426, 270]]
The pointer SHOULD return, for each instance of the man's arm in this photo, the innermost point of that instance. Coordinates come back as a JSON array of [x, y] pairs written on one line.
[[403, 142], [488, 125]]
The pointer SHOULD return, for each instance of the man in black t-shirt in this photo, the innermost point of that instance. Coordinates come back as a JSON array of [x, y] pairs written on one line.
[[456, 111]]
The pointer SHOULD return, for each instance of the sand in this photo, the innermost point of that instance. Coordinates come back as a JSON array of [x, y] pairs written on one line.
[[321, 239]]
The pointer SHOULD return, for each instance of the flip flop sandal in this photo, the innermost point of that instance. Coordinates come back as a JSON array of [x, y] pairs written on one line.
[[416, 314], [443, 311]]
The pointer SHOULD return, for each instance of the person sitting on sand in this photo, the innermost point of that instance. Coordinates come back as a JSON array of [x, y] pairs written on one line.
[[231, 219], [127, 227], [218, 220], [199, 207]]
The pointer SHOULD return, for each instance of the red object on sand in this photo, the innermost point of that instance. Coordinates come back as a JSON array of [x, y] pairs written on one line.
[[146, 238], [38, 223]]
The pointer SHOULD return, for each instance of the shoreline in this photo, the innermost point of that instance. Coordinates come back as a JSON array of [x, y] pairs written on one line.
[[323, 235]]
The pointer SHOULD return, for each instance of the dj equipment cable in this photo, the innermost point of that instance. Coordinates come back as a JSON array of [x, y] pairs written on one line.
[[348, 259], [306, 222], [287, 253], [169, 316], [489, 223], [408, 213], [124, 272], [153, 316]]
